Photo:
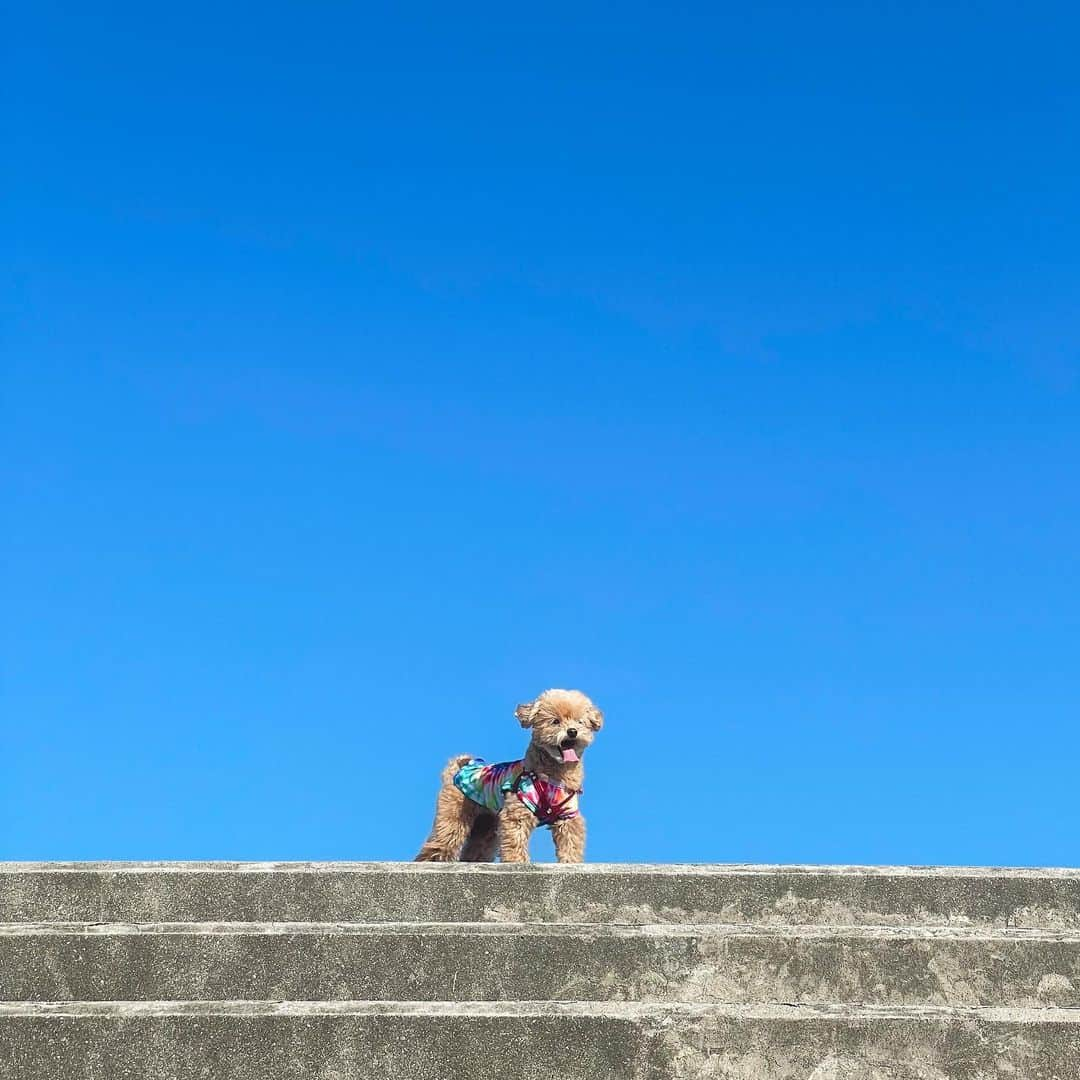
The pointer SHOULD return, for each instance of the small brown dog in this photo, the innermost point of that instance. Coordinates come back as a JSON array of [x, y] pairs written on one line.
[[481, 807]]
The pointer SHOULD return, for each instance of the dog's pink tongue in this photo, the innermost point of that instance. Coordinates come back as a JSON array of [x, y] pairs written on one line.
[[569, 754]]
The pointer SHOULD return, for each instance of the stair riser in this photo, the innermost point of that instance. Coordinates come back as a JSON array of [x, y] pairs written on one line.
[[490, 967], [581, 1048], [444, 895]]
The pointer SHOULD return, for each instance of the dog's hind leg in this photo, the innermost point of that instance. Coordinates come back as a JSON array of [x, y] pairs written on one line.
[[483, 839], [454, 818]]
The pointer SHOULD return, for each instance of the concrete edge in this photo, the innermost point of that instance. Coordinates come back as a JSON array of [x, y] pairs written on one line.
[[628, 869], [625, 1010], [576, 930]]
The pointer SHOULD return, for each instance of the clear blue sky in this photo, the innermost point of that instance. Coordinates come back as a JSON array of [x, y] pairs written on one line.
[[369, 368]]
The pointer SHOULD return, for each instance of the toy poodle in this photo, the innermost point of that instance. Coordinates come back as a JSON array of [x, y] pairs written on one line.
[[484, 808]]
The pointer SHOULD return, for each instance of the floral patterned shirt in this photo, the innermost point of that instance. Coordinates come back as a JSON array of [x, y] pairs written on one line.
[[489, 785]]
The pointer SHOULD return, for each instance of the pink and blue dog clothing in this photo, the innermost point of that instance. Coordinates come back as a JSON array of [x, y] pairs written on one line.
[[489, 785]]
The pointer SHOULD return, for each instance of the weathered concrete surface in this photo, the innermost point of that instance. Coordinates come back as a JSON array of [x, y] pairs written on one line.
[[364, 1041], [642, 973], [539, 962], [368, 892]]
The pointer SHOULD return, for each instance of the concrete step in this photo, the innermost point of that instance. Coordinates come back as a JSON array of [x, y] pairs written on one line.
[[539, 962], [370, 892], [582, 1041]]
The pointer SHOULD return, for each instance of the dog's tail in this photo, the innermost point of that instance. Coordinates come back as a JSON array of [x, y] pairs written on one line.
[[453, 765]]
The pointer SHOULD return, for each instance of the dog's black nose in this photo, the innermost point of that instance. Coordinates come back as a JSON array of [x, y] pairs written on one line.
[[571, 732]]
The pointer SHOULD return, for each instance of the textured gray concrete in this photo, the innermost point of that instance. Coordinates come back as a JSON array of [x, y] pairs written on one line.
[[355, 971], [539, 962], [362, 1041], [369, 892]]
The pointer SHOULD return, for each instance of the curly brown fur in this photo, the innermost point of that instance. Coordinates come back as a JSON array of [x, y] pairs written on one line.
[[467, 831]]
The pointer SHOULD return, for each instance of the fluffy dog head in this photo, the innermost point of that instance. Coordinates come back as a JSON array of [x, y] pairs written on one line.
[[563, 723]]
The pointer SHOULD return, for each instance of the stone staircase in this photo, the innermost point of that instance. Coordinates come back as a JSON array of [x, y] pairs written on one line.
[[357, 971]]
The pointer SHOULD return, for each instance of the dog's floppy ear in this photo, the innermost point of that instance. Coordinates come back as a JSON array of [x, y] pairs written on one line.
[[526, 713], [595, 718]]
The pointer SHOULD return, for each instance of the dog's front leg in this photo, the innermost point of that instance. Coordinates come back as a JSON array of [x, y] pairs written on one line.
[[569, 837], [516, 823]]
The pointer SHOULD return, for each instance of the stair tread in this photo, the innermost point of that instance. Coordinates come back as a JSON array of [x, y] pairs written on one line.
[[628, 869], [631, 1010], [614, 893], [857, 932]]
